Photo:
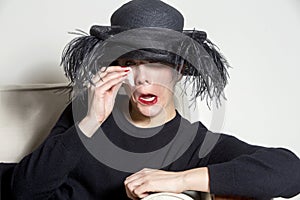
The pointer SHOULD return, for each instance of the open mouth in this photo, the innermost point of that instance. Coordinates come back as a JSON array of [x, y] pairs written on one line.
[[148, 99]]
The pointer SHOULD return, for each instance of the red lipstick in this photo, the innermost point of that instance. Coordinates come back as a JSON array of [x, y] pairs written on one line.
[[148, 99]]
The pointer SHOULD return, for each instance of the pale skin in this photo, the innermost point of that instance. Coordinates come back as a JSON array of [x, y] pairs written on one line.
[[159, 80]]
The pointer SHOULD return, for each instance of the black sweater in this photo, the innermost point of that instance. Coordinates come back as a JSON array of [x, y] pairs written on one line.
[[63, 168]]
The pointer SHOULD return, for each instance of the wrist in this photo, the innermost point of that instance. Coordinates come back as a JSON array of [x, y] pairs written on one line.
[[196, 179], [89, 125]]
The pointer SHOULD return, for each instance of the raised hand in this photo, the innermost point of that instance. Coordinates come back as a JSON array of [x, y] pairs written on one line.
[[101, 97]]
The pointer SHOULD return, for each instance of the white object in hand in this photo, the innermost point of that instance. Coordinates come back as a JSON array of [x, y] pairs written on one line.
[[167, 196], [129, 80]]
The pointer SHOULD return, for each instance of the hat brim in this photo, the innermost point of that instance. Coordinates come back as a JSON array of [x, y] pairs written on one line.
[[151, 43], [189, 48]]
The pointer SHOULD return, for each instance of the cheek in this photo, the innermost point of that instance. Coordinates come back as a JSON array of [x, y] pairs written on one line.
[[165, 94], [165, 79]]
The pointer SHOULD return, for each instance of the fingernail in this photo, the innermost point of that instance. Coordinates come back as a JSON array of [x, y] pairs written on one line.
[[127, 70]]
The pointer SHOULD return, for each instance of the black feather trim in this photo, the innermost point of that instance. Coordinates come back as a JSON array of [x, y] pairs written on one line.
[[208, 80], [73, 56], [84, 56]]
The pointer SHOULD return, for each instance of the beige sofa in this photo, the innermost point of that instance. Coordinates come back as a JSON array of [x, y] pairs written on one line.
[[27, 114]]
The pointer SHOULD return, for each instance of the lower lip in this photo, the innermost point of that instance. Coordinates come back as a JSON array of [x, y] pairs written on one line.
[[154, 101]]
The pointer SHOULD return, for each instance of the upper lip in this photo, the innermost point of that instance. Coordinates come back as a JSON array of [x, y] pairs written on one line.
[[145, 93], [141, 91]]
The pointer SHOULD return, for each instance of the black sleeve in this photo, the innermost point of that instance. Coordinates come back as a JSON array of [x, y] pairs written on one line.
[[64, 122], [238, 168], [38, 174]]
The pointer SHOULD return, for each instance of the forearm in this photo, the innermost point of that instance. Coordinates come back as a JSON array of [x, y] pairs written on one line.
[[241, 169], [196, 179]]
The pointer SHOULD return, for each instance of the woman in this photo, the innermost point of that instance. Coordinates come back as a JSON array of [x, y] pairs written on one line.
[[147, 49]]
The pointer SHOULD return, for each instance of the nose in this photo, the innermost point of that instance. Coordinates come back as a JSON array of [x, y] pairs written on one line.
[[141, 75]]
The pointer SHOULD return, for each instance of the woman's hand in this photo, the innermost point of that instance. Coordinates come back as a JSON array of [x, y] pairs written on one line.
[[146, 181], [101, 97]]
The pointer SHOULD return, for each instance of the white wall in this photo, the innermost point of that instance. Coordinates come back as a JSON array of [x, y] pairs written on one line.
[[259, 38]]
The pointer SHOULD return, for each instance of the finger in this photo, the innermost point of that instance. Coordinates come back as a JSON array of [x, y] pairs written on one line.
[[138, 174], [110, 77], [107, 70], [130, 194], [103, 69], [112, 69], [114, 92], [144, 195], [138, 178], [133, 184], [109, 84], [144, 190], [117, 68], [114, 75], [134, 181]]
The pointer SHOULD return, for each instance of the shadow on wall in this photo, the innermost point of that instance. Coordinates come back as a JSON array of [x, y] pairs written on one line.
[[27, 114]]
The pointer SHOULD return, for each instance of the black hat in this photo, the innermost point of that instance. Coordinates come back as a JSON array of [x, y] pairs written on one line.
[[147, 13], [148, 30]]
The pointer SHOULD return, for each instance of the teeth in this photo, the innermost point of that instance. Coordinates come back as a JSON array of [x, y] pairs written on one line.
[[147, 98]]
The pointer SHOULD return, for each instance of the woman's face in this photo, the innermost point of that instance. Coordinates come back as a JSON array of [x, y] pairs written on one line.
[[152, 92]]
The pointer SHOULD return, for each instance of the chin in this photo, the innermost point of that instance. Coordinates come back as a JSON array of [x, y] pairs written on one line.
[[151, 111]]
